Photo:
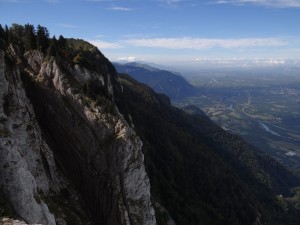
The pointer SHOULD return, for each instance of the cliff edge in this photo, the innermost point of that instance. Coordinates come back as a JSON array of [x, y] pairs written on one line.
[[60, 145]]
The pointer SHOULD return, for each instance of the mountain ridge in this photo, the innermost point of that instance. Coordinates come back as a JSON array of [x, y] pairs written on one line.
[[82, 163], [174, 141], [98, 147], [162, 81]]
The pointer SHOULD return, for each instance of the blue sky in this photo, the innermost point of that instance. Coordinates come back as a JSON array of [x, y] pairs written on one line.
[[171, 31]]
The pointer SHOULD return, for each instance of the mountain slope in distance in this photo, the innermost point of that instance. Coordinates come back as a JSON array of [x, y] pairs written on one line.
[[162, 81], [200, 173]]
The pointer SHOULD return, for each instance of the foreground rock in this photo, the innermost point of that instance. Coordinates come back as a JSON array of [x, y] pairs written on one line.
[[60, 147]]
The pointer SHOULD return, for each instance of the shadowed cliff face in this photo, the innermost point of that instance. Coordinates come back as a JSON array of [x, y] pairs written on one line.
[[67, 155], [200, 173], [91, 142], [26, 162], [161, 81], [88, 160]]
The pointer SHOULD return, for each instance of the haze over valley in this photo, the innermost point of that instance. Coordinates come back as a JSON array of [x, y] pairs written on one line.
[[156, 112], [261, 105]]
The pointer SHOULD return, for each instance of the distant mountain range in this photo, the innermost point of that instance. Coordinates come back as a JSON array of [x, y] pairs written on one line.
[[200, 173], [162, 81], [81, 144]]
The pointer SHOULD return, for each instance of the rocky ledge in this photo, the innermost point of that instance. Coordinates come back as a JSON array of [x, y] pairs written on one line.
[[61, 147]]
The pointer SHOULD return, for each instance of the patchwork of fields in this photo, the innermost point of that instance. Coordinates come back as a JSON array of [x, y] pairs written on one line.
[[264, 109]]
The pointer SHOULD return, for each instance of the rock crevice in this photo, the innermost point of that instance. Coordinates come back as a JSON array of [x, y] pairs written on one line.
[[51, 125]]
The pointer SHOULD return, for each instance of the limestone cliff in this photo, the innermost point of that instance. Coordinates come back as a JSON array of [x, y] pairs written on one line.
[[60, 146], [8, 221], [23, 152]]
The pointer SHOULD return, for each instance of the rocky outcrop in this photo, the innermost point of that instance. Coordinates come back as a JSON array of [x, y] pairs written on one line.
[[8, 221], [28, 173], [27, 165], [60, 126]]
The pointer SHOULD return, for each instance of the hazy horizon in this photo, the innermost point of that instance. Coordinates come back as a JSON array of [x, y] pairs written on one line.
[[172, 32]]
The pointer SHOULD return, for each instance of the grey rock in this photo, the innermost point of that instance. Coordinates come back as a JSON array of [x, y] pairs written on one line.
[[91, 142], [9, 221], [22, 172]]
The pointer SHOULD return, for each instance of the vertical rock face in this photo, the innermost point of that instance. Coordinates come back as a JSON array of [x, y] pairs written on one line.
[[92, 144], [7, 221], [27, 164]]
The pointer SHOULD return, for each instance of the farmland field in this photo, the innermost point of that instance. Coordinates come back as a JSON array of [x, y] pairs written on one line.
[[262, 108]]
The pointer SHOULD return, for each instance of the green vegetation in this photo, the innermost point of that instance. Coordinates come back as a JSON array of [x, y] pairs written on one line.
[[263, 108], [26, 37], [94, 88], [66, 52], [72, 51], [200, 173], [29, 37], [295, 200], [98, 93], [86, 55], [161, 81]]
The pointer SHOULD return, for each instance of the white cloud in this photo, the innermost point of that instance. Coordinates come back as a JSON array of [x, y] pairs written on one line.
[[127, 59], [275, 61], [205, 43], [105, 45], [244, 62], [269, 3], [67, 25], [118, 8], [172, 1]]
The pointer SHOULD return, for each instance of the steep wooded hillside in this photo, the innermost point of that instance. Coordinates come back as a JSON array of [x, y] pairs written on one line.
[[161, 81], [200, 173], [80, 144], [67, 156]]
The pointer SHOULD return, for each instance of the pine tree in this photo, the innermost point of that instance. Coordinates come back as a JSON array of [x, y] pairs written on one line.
[[29, 37], [2, 37], [42, 38], [16, 34], [2, 32], [62, 42], [53, 48], [6, 33]]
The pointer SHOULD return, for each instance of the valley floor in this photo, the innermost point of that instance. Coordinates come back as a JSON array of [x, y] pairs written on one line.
[[267, 114]]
